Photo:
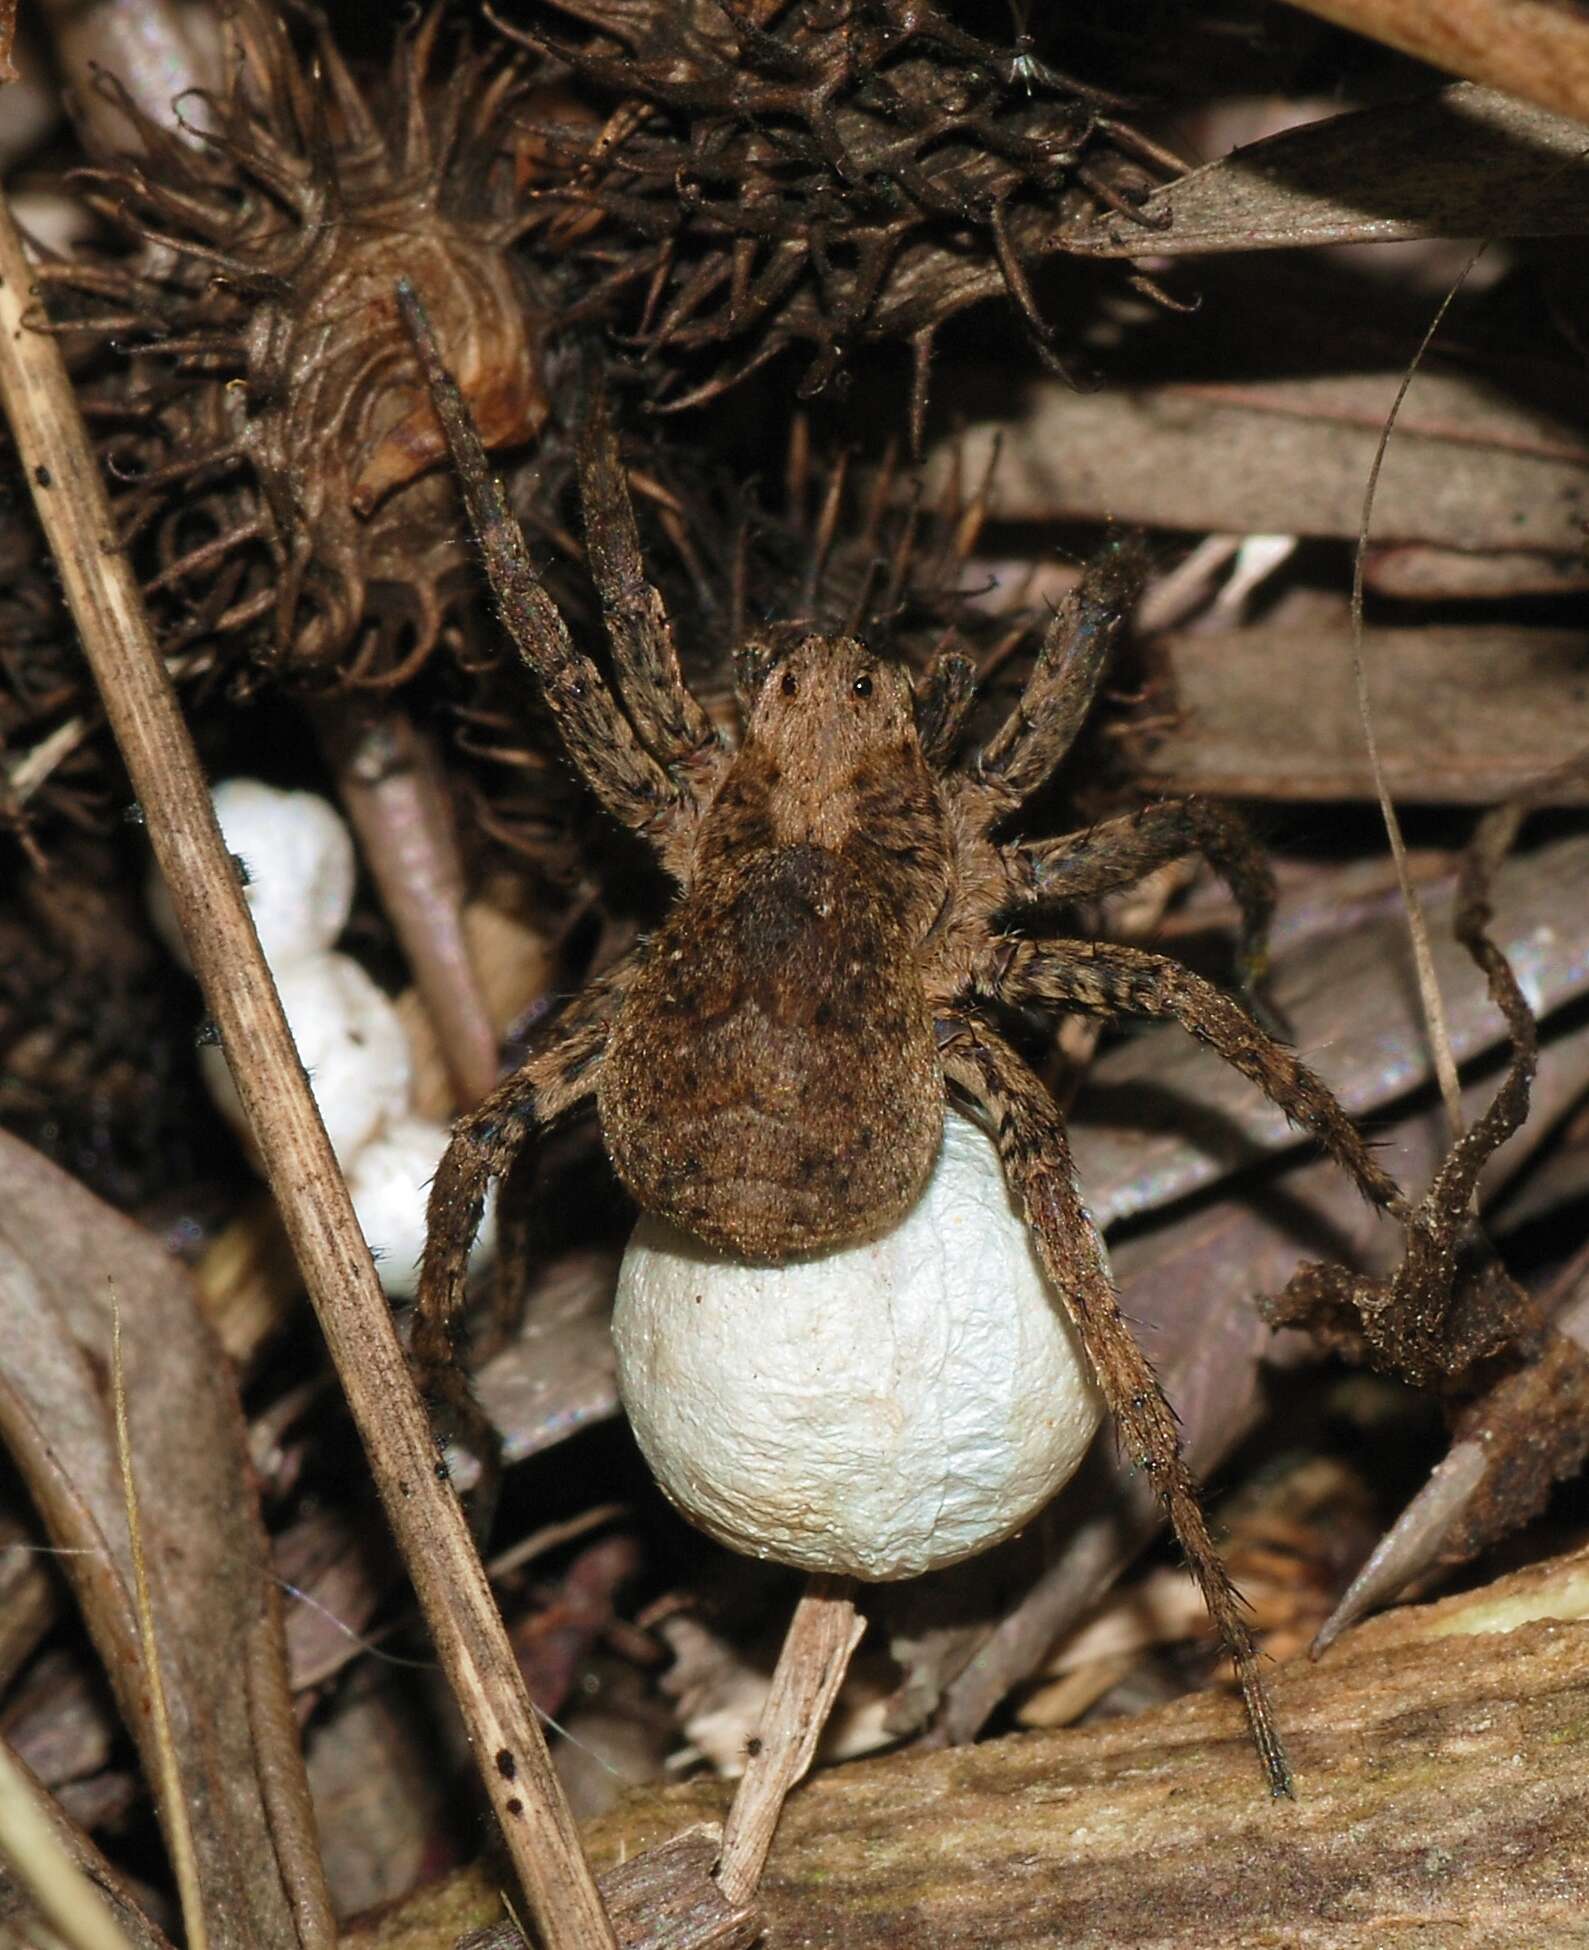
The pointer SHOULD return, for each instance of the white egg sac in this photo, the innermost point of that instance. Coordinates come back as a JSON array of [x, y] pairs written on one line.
[[390, 1183], [298, 860], [352, 1044], [879, 1411]]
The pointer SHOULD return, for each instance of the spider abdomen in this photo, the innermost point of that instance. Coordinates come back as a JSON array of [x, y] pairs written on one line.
[[772, 1083]]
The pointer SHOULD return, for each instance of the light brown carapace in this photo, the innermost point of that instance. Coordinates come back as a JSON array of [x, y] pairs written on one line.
[[772, 1080], [770, 1067]]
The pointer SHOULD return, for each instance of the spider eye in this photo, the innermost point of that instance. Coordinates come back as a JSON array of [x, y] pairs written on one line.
[[790, 684], [862, 687]]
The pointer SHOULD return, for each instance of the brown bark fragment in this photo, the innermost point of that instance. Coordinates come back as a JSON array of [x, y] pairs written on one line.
[[1440, 1754]]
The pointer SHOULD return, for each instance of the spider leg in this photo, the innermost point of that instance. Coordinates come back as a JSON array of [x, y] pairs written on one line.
[[485, 1144], [1101, 978], [603, 744], [671, 721], [945, 692], [1082, 866], [1035, 1151], [1064, 680]]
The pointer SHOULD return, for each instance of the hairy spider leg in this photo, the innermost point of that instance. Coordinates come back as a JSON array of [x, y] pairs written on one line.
[[600, 740], [1030, 1134], [485, 1144], [1065, 678], [1102, 978], [1119, 852], [669, 718], [945, 693]]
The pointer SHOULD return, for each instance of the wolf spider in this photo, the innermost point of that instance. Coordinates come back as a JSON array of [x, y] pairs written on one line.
[[770, 1066]]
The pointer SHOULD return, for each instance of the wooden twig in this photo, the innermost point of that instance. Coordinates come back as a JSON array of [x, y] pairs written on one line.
[[420, 1503], [391, 790], [824, 1631], [665, 1897], [662, 1899]]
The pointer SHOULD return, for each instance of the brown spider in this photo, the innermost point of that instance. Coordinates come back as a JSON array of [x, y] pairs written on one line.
[[770, 1066]]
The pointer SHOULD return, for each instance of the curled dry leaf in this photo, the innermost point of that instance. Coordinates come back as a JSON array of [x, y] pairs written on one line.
[[65, 1260], [1466, 162]]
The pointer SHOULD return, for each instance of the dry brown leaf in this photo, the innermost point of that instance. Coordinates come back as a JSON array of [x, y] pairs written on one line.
[[1470, 468], [385, 1787], [1462, 716], [65, 1259], [1538, 49], [1437, 575], [558, 1373], [1466, 162]]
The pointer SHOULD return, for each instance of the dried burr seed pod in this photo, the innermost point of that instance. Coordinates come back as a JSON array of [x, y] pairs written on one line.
[[283, 451], [875, 1412], [830, 175]]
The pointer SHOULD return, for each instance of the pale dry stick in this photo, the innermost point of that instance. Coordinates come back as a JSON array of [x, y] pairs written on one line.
[[178, 1824], [33, 767], [825, 1630], [397, 805], [516, 964], [420, 1503], [70, 1903]]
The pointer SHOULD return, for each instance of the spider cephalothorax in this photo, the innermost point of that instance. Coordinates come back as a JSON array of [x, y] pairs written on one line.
[[833, 173], [847, 932], [286, 455], [775, 1021]]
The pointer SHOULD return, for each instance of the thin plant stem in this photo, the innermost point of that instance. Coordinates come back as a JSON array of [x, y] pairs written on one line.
[[70, 1903], [421, 1504], [177, 1824]]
